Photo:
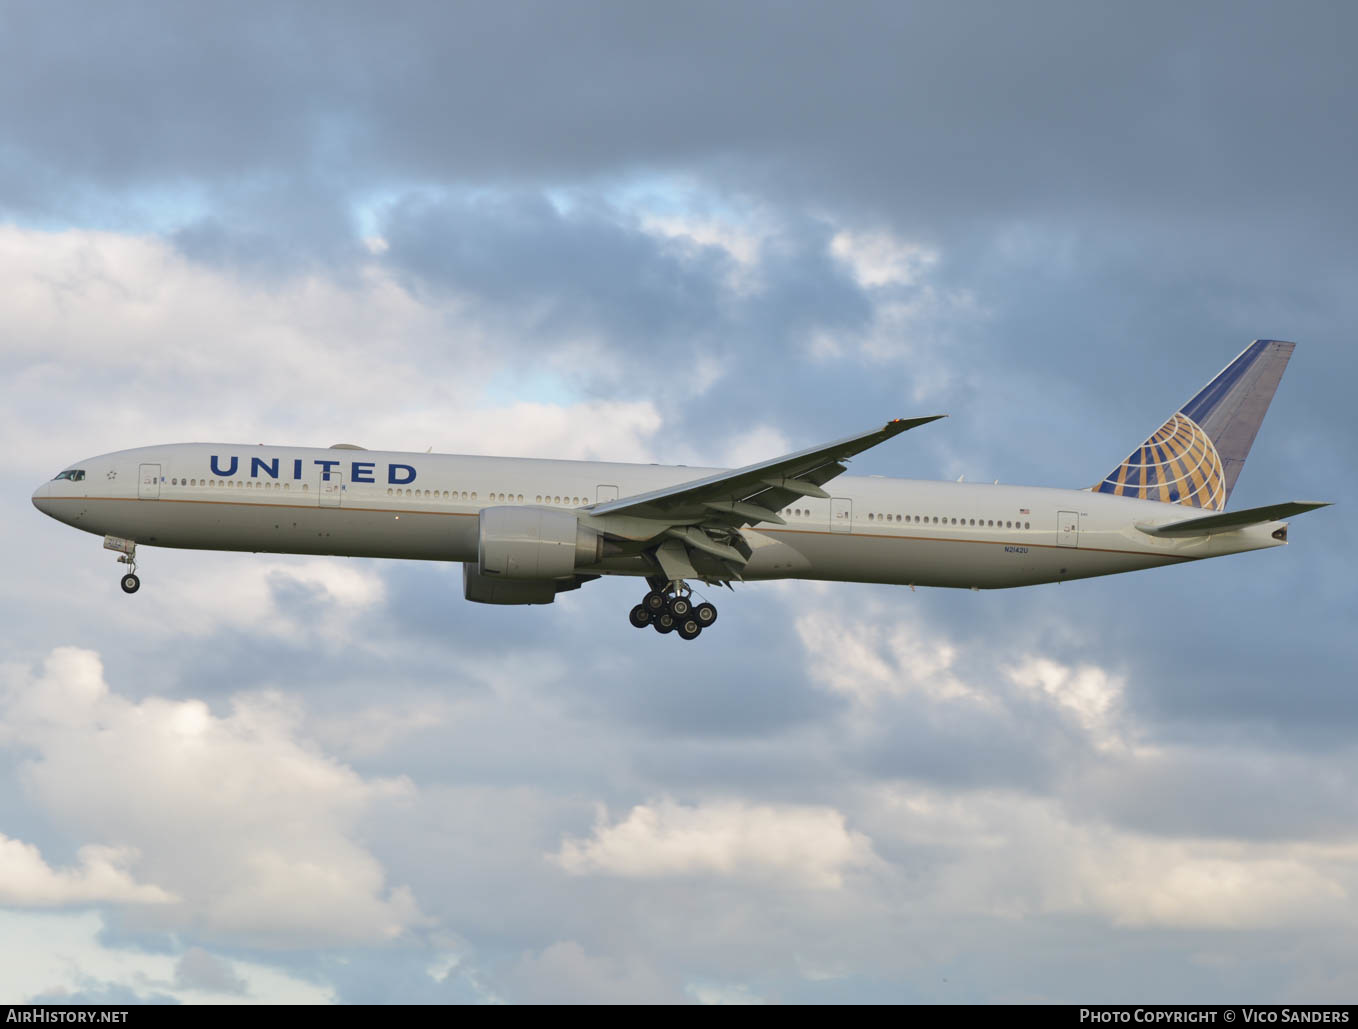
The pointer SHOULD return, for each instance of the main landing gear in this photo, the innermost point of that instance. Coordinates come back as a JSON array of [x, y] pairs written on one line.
[[669, 607], [127, 555]]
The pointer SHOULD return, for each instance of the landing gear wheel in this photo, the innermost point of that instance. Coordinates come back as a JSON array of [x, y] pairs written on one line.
[[655, 602], [663, 622], [130, 583], [680, 607], [639, 616], [689, 629], [706, 614]]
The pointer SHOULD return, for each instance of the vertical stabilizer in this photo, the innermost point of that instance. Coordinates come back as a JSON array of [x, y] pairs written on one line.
[[1196, 456]]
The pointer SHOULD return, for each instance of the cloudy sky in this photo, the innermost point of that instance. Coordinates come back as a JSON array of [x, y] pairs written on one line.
[[697, 233]]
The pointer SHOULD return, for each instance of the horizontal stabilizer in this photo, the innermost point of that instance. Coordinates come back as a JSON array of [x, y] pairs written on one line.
[[1209, 524]]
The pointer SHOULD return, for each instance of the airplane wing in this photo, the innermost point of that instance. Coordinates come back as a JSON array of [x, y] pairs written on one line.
[[754, 493], [1209, 524], [705, 515]]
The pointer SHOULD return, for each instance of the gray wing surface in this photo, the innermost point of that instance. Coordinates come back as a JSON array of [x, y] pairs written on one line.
[[754, 493], [693, 528]]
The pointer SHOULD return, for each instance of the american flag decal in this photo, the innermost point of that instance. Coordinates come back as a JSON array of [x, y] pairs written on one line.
[[1024, 510]]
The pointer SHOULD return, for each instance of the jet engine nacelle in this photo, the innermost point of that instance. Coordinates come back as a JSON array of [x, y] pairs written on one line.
[[534, 543], [496, 589]]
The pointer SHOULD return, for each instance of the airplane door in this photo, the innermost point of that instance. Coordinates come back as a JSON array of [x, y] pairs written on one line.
[[606, 493], [332, 487], [1068, 528], [841, 514], [148, 482]]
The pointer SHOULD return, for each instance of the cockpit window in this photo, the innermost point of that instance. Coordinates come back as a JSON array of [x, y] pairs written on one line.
[[74, 474]]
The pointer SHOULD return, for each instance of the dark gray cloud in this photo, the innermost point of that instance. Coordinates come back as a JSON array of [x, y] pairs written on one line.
[[938, 116], [535, 87]]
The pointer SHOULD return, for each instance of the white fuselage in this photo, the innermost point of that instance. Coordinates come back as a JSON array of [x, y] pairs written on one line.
[[363, 503]]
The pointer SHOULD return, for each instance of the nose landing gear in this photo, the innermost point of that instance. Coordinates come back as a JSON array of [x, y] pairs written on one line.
[[127, 555], [669, 608]]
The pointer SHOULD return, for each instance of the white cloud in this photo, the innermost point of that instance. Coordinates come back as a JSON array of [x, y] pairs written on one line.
[[1089, 693], [800, 846], [741, 242], [102, 876], [310, 360], [377, 728], [880, 259], [250, 827], [564, 973], [707, 993], [870, 658], [1014, 856], [54, 953], [875, 656], [760, 443], [258, 594], [588, 430]]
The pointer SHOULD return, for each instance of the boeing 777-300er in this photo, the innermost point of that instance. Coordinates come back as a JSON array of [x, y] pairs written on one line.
[[526, 529]]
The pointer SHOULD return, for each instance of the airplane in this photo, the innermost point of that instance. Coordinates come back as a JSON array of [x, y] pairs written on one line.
[[526, 530]]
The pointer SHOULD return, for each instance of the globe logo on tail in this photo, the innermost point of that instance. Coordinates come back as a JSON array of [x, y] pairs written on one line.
[[1178, 465]]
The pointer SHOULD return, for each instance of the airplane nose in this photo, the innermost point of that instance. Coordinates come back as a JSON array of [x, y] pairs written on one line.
[[40, 495]]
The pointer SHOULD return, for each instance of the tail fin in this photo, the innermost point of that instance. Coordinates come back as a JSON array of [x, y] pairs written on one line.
[[1196, 456]]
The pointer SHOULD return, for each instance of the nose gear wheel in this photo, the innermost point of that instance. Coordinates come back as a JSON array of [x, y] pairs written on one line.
[[127, 556]]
